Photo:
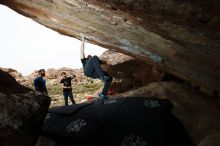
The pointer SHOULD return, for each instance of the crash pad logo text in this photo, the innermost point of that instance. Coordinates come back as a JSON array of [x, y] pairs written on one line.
[[76, 126]]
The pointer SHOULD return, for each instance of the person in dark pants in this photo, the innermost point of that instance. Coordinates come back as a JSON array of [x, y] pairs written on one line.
[[92, 69], [67, 88], [40, 82]]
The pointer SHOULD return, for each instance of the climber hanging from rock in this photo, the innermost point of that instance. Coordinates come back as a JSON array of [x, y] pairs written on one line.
[[92, 69]]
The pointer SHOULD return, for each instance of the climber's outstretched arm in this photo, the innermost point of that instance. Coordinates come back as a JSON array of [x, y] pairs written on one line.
[[82, 54]]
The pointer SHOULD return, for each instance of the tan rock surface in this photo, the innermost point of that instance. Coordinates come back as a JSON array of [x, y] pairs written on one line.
[[181, 37]]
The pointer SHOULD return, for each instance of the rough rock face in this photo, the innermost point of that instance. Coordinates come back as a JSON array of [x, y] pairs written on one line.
[[22, 112], [181, 37], [129, 73], [199, 114]]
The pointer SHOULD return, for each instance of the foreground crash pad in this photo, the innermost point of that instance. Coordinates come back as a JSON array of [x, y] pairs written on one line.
[[133, 121]]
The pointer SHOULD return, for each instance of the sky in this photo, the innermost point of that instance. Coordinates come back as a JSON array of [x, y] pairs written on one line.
[[27, 46]]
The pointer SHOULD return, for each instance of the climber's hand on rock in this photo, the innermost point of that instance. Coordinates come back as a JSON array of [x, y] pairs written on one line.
[[83, 37]]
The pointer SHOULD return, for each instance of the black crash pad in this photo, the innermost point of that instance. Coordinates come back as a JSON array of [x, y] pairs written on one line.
[[133, 121]]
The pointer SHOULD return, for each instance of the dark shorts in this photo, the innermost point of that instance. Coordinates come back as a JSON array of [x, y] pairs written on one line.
[[67, 94]]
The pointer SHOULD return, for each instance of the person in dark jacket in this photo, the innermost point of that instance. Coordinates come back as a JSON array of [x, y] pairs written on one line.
[[92, 69], [67, 88], [40, 82]]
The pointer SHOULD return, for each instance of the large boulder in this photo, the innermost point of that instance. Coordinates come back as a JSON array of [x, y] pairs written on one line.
[[22, 112], [129, 73], [180, 37]]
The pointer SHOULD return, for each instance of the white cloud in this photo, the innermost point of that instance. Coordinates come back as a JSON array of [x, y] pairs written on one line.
[[27, 46]]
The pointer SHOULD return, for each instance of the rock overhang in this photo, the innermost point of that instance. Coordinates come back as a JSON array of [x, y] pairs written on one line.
[[181, 38]]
